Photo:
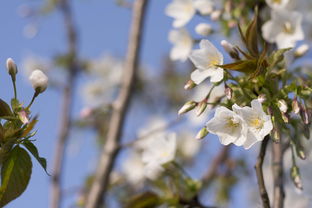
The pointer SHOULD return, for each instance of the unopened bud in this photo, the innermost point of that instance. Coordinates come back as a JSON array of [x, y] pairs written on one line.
[[282, 105], [190, 105], [23, 116], [285, 117], [304, 114], [295, 176], [301, 50], [203, 29], [11, 67], [300, 151], [228, 92], [215, 15], [39, 81], [262, 98], [201, 107], [228, 47], [295, 106], [202, 133], [275, 134], [189, 85]]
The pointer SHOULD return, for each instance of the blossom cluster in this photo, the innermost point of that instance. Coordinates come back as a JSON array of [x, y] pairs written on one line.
[[243, 126]]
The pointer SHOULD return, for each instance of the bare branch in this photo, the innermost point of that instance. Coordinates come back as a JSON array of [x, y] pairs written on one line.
[[262, 189], [278, 175], [110, 149], [66, 109]]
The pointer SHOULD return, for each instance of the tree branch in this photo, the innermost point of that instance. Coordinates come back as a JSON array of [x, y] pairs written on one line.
[[66, 109], [278, 175], [110, 149], [263, 193]]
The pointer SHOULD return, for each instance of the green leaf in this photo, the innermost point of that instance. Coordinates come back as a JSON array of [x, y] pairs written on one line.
[[144, 200], [15, 104], [15, 175], [34, 151], [5, 109], [252, 36], [277, 56], [247, 66]]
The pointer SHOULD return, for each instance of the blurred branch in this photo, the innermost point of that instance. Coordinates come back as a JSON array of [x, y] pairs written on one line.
[[278, 175], [110, 150], [66, 109], [220, 158], [263, 193], [194, 203]]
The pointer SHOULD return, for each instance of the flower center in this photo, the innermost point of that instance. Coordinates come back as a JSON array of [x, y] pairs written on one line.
[[215, 61], [287, 28], [256, 123], [232, 122], [277, 1]]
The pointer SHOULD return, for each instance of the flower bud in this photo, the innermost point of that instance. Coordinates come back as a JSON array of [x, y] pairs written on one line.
[[189, 85], [282, 105], [215, 15], [295, 106], [190, 105], [285, 117], [202, 133], [301, 50], [295, 176], [300, 151], [228, 92], [304, 114], [228, 47], [203, 29], [39, 81], [201, 107], [11, 67], [262, 98]]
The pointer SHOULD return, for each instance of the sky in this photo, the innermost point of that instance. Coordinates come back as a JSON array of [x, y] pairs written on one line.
[[103, 28]]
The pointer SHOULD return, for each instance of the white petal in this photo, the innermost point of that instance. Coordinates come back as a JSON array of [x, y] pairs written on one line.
[[198, 76], [217, 75], [251, 140]]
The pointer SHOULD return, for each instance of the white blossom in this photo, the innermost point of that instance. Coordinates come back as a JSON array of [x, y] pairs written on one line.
[[277, 4], [182, 11], [205, 60], [187, 145], [205, 7], [203, 29], [11, 66], [133, 169], [182, 44], [39, 81], [259, 124], [284, 28], [229, 126], [157, 152]]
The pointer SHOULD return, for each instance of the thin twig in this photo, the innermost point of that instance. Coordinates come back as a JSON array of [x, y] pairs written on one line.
[[262, 189], [216, 162], [110, 150], [278, 175], [66, 109]]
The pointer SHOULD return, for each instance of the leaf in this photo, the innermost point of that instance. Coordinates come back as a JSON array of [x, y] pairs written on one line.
[[247, 66], [15, 175], [15, 104], [277, 56], [261, 63], [5, 109], [144, 200], [252, 35], [34, 151]]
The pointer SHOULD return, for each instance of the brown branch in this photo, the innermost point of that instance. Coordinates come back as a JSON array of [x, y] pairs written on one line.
[[262, 189], [110, 150], [66, 109], [217, 161], [278, 175]]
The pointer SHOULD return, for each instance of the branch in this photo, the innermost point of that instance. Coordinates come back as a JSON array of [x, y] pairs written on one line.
[[110, 149], [263, 193], [66, 109], [217, 161], [278, 178]]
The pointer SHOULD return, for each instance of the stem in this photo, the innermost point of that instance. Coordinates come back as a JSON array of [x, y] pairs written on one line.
[[32, 100], [66, 109], [110, 150], [14, 86], [262, 189], [278, 175]]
